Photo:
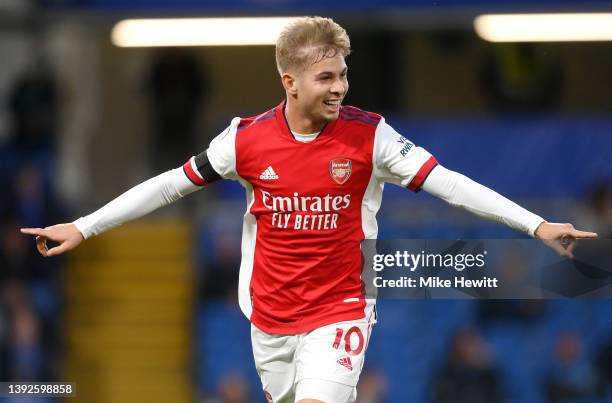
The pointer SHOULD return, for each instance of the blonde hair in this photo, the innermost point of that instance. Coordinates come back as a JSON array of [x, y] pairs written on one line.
[[309, 40]]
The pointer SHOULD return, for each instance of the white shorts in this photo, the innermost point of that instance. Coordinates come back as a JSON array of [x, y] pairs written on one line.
[[323, 364]]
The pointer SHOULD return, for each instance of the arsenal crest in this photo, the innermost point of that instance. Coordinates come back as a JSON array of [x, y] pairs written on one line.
[[340, 170]]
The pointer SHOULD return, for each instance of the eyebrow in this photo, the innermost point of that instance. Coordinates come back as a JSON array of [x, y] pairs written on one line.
[[344, 70]]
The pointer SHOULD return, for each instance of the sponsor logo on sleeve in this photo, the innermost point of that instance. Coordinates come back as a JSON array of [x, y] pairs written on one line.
[[406, 145]]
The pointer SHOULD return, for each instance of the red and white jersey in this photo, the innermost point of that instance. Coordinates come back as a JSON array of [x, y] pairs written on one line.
[[309, 206]]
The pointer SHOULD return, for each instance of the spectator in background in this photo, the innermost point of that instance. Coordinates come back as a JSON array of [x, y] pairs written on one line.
[[522, 78], [571, 378], [26, 201], [25, 350], [221, 262], [232, 388], [603, 365], [513, 274], [596, 211], [469, 375], [178, 86], [33, 106], [372, 387]]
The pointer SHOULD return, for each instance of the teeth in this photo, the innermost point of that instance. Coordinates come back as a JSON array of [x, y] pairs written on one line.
[[333, 103]]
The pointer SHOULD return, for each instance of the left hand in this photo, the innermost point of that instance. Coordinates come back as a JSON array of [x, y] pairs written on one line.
[[561, 237]]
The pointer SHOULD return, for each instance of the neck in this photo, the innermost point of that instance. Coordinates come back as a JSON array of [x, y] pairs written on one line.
[[298, 121]]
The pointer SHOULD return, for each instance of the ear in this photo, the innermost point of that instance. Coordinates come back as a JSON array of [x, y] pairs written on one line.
[[289, 80]]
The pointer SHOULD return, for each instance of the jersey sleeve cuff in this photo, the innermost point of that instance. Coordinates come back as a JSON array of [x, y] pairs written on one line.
[[416, 182], [81, 225], [533, 225]]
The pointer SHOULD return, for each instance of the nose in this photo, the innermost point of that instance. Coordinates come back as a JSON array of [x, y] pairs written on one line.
[[338, 87]]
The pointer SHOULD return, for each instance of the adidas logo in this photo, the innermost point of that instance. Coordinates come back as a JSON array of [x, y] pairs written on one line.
[[268, 174], [345, 362]]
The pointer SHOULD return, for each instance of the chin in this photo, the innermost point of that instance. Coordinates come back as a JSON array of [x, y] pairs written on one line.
[[328, 116]]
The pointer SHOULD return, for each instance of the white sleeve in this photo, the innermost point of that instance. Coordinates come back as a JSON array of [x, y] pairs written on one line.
[[137, 202], [463, 192], [397, 160], [222, 151]]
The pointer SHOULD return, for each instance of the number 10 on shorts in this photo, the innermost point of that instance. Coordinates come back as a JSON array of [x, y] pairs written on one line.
[[348, 345]]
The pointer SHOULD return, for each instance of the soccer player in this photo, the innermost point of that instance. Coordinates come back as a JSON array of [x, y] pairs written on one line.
[[313, 171]]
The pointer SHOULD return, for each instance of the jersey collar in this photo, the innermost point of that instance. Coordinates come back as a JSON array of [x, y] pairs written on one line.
[[281, 119]]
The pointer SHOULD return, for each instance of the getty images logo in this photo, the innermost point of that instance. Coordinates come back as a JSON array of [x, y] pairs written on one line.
[[268, 174]]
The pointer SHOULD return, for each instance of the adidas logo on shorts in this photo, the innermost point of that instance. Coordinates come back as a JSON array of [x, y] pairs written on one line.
[[268, 174], [345, 362]]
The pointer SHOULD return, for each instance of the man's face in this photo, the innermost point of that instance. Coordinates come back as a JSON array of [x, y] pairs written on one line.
[[321, 88]]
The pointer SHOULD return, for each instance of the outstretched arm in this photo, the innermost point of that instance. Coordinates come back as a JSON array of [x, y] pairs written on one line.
[[217, 162], [463, 192], [136, 202]]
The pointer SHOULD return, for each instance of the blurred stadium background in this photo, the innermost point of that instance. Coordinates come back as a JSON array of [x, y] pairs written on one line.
[[148, 312]]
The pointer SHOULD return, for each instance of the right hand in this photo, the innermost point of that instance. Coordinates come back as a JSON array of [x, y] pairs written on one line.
[[66, 235]]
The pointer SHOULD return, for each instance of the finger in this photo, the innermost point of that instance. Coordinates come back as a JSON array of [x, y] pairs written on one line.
[[58, 250], [571, 247], [33, 231], [582, 234], [41, 245], [556, 245]]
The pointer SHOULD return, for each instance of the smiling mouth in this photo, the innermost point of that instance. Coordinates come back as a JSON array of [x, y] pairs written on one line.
[[333, 104]]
